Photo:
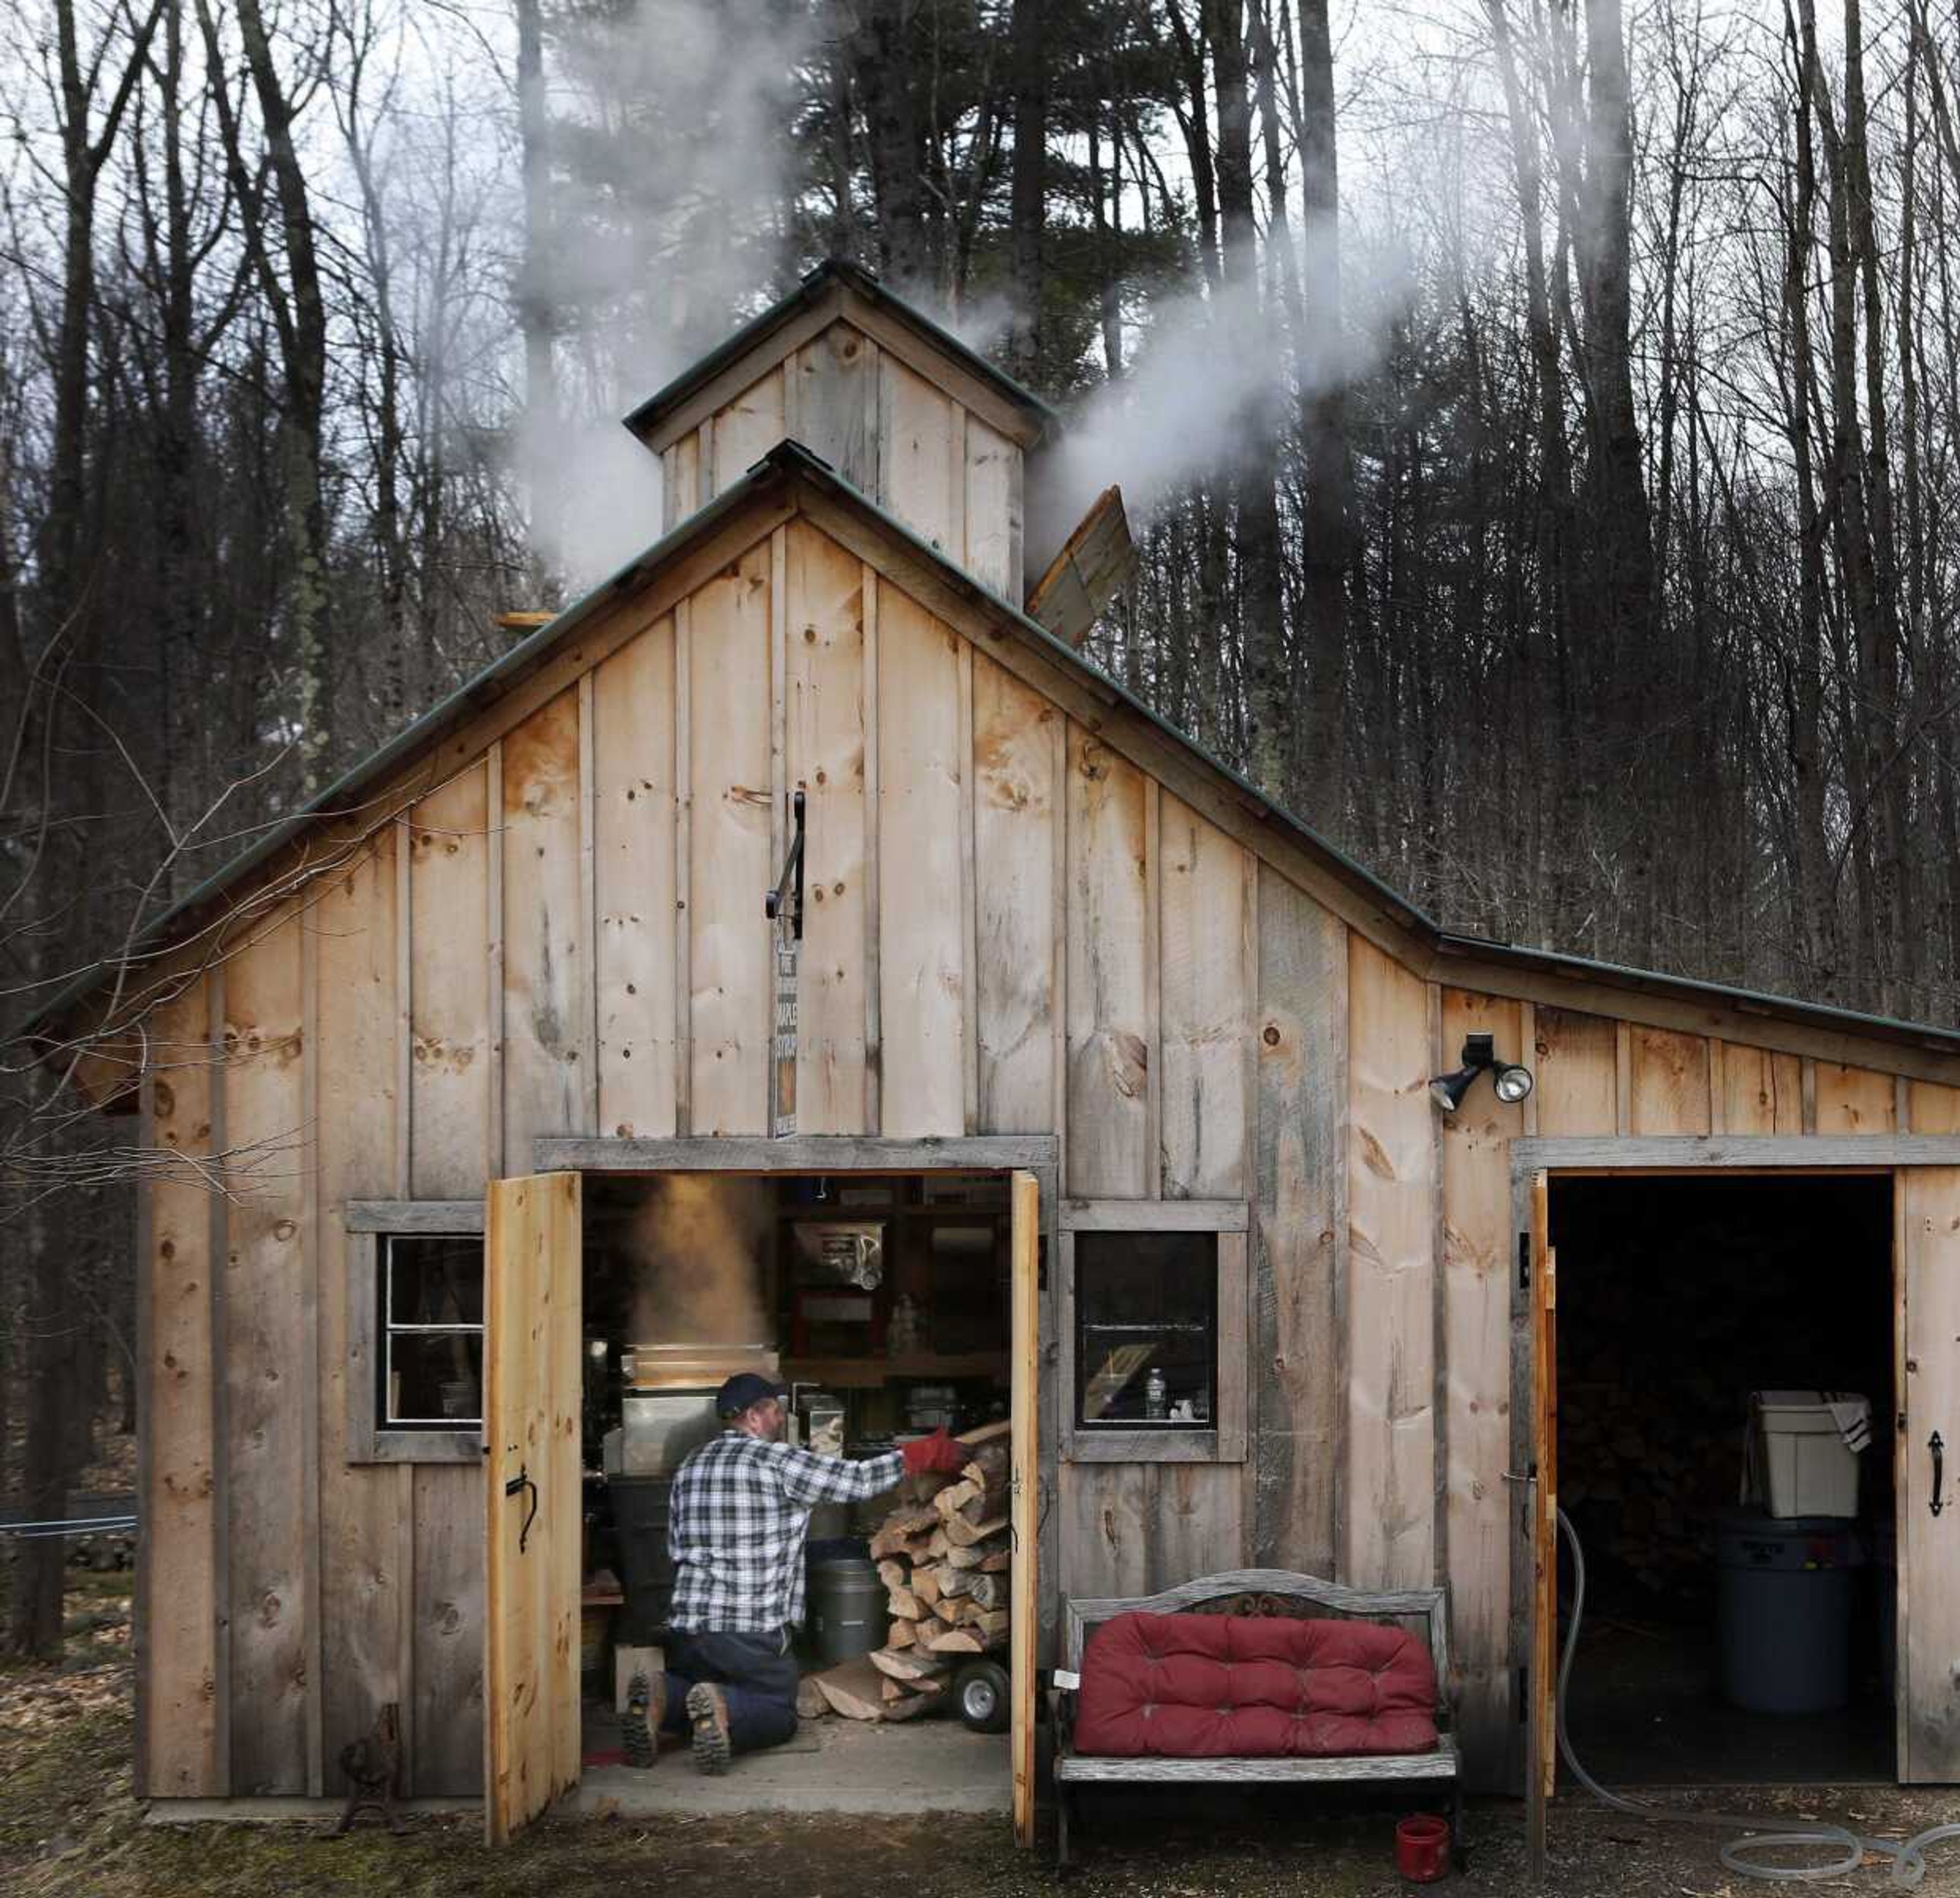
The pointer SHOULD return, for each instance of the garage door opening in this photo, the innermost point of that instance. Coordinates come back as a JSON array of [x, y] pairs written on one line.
[[1720, 1645], [883, 1302]]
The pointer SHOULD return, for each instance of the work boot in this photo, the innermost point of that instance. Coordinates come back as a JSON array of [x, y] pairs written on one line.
[[640, 1726], [707, 1709]]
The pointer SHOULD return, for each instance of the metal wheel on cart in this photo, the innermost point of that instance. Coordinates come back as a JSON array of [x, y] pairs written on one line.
[[980, 1695]]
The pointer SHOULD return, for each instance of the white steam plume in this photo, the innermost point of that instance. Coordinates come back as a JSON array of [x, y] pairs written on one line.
[[1210, 371], [666, 232]]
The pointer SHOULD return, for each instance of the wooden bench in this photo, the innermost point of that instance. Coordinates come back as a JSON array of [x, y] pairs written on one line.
[[1259, 1591]]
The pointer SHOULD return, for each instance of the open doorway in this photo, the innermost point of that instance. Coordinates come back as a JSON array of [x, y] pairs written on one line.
[[883, 1302], [1726, 1640]]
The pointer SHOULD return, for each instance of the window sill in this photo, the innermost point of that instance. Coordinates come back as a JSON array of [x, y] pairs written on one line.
[[1146, 1446], [418, 1446]]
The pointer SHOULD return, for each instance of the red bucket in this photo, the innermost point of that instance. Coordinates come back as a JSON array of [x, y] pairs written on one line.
[[1422, 1849]]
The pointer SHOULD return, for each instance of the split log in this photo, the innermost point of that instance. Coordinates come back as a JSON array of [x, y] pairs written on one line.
[[810, 1703], [925, 1632], [985, 1480], [936, 1545], [954, 1497], [853, 1690], [902, 1634], [955, 1583], [986, 1433], [997, 1562], [962, 1534], [925, 1585], [896, 1692], [968, 1641], [975, 1555], [907, 1664], [908, 1707], [990, 1621]]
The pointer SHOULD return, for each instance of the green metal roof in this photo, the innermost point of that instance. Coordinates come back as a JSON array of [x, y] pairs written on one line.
[[790, 460], [649, 413]]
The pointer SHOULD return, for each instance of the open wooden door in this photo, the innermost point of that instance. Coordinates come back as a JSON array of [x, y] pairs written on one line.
[[1542, 1755], [532, 1497], [1024, 1514], [1928, 1462]]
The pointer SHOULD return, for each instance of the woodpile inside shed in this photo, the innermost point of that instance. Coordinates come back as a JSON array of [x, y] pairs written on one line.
[[945, 1556]]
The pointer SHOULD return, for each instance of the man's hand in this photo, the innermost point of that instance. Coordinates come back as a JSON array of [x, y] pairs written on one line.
[[939, 1453]]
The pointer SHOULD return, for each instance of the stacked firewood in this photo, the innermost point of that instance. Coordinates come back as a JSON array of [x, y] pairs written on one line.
[[944, 1558], [1645, 1480]]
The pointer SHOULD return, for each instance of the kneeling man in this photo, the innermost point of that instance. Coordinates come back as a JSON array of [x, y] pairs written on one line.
[[740, 1514]]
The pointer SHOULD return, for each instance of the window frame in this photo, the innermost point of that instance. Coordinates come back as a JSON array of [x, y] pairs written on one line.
[[368, 1223], [1229, 1222]]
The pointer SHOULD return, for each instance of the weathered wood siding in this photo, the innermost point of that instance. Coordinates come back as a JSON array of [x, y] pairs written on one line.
[[1012, 927], [922, 456]]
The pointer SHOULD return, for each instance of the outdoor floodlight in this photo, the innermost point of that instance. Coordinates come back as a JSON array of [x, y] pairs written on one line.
[[1511, 1083]]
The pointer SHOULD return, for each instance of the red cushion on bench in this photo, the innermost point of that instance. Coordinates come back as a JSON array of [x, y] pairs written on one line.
[[1201, 1687]]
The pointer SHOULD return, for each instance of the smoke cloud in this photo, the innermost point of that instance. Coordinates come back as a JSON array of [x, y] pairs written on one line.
[[673, 138], [698, 1241], [1209, 374]]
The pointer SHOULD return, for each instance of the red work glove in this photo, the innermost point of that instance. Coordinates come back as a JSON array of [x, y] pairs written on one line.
[[938, 1453]]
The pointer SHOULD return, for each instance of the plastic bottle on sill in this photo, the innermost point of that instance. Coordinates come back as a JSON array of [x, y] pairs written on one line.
[[1155, 1392]]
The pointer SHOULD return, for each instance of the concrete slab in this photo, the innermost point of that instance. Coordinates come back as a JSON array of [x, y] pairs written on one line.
[[931, 1765]]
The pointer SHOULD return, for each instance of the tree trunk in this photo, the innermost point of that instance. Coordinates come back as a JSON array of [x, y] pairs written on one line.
[[1027, 202], [884, 70]]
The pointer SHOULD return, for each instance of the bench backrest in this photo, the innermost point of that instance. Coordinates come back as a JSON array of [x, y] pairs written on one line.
[[1429, 1606]]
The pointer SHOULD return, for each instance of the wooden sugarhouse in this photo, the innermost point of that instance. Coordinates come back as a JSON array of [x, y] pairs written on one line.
[[1025, 934]]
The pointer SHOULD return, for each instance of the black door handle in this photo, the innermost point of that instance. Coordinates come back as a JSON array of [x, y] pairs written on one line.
[[1939, 1449], [522, 1481]]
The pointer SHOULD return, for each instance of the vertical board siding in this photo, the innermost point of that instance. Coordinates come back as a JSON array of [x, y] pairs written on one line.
[[745, 430], [179, 1659], [921, 950], [1389, 1506], [1762, 1091], [993, 475], [915, 456], [1299, 1229], [824, 681], [1577, 1090], [633, 822], [545, 932], [728, 868], [448, 1609], [1109, 1027], [1109, 1529], [1670, 1082], [1854, 1100], [449, 1005], [266, 1341], [364, 1511], [1933, 1109], [1208, 982], [455, 924], [835, 403], [1477, 1250], [1015, 799]]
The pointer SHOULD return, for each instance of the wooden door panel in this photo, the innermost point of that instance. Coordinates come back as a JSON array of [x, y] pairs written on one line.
[[532, 1497], [1929, 1544], [1542, 1758], [1025, 1518]]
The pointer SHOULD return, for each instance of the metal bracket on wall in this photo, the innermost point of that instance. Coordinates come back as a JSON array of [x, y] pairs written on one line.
[[516, 1485]]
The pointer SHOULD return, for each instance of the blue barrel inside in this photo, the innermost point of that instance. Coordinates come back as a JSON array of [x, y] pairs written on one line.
[[1786, 1589]]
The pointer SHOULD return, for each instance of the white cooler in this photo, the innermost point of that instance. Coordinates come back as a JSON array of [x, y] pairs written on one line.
[[1798, 1463]]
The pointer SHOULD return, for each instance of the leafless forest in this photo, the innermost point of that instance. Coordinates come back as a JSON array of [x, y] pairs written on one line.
[[1539, 418]]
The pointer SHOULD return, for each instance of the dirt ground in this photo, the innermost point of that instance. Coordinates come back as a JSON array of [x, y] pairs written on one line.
[[68, 1827]]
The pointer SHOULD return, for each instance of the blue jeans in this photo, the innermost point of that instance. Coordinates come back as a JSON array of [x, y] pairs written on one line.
[[756, 1673]]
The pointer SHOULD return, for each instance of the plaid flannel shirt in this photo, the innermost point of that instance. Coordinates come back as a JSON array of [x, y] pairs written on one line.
[[740, 1512]]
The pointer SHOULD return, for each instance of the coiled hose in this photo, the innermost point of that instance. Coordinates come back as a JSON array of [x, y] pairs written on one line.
[[1908, 1855]]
